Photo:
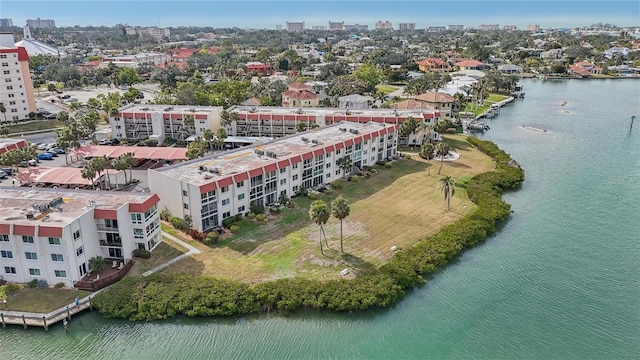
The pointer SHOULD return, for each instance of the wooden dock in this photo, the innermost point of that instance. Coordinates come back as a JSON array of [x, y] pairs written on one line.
[[63, 314]]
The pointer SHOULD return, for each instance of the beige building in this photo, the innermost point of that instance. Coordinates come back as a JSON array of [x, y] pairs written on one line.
[[300, 95], [16, 89]]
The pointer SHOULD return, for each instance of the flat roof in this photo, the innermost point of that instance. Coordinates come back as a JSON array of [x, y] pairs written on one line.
[[147, 108], [139, 152], [54, 175], [16, 203], [325, 111], [285, 149]]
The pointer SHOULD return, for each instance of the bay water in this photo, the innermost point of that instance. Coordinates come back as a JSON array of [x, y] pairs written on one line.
[[561, 280]]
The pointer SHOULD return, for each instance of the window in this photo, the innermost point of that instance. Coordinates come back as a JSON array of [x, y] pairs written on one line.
[[241, 209], [136, 218], [9, 87], [283, 170], [31, 255], [184, 193], [295, 189], [294, 177], [79, 251], [225, 202], [76, 235], [328, 165], [3, 56], [226, 214], [224, 189], [294, 166], [57, 257], [338, 172], [241, 196], [283, 181], [60, 273], [9, 270], [338, 152], [27, 239], [5, 64], [4, 237], [34, 272], [54, 241], [240, 184], [328, 175], [185, 205]]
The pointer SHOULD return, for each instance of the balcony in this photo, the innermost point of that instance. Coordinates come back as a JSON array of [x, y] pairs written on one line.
[[112, 243], [102, 227]]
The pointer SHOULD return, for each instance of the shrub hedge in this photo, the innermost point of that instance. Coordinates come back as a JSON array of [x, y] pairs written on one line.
[[161, 296]]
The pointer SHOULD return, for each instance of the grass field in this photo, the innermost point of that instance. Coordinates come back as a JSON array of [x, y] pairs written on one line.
[[17, 129], [164, 252], [398, 206], [43, 300], [386, 89]]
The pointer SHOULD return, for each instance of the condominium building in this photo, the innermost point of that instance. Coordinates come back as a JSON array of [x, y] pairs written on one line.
[[436, 28], [533, 27], [214, 188], [336, 25], [41, 23], [294, 26], [488, 27], [157, 122], [51, 234], [406, 26], [356, 27], [384, 25], [6, 23], [281, 121], [16, 89], [154, 33], [509, 28], [455, 27]]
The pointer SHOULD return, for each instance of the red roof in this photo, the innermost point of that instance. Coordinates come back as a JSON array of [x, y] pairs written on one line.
[[146, 205], [300, 95], [22, 53], [139, 152], [469, 63], [29, 230], [432, 61], [298, 86], [54, 175]]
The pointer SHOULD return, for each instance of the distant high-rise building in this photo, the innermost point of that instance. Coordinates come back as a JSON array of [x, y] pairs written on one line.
[[356, 27], [406, 26], [436, 28], [509, 27], [41, 23], [532, 27], [154, 33], [319, 27], [487, 27], [386, 25], [455, 27], [336, 25], [16, 92], [278, 27], [6, 23], [294, 26]]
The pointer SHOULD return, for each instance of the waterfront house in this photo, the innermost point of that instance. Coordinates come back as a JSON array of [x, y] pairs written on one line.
[[584, 68], [355, 101], [510, 69], [470, 64]]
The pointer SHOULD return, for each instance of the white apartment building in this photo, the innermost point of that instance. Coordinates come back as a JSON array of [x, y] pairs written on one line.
[[294, 26], [41, 23], [272, 121], [134, 61], [406, 26], [16, 89], [214, 188], [51, 234], [157, 122]]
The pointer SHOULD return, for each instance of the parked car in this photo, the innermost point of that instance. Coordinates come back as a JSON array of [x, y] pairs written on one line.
[[7, 171], [53, 153], [65, 97], [51, 116], [24, 163], [45, 156], [108, 142], [42, 146], [3, 175], [72, 100], [56, 150]]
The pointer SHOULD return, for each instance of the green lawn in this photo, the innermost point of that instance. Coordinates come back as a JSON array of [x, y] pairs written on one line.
[[164, 252], [36, 125], [395, 207], [386, 89], [43, 300]]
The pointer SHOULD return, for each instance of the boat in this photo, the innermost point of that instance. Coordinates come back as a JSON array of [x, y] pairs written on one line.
[[477, 126]]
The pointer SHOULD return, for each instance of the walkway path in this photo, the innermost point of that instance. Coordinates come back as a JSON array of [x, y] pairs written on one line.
[[192, 251]]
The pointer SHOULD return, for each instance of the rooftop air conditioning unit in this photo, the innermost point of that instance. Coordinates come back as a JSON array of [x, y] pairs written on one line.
[[343, 129], [305, 139], [213, 170], [202, 168]]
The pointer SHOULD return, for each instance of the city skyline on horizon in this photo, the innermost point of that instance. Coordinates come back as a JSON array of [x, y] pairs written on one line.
[[269, 14]]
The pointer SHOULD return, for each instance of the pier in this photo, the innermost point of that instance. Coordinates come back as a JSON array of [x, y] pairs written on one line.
[[63, 314]]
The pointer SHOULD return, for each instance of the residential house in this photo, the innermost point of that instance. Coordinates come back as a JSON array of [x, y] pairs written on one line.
[[470, 64], [355, 101], [300, 95], [509, 69], [584, 68], [433, 64], [260, 68], [617, 52], [439, 101]]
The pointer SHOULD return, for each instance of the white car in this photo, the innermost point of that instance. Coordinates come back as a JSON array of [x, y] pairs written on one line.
[[42, 146]]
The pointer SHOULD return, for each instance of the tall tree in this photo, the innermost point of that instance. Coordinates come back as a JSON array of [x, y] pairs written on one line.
[[88, 172], [345, 164], [319, 213], [196, 148], [3, 110], [208, 136], [426, 152], [220, 136], [340, 210], [67, 141], [448, 188], [442, 150]]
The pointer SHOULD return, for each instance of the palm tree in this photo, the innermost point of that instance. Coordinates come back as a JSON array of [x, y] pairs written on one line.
[[4, 131], [344, 164], [448, 188], [319, 213], [130, 160], [340, 210], [442, 150], [208, 136], [96, 263], [100, 164], [426, 152], [88, 172], [120, 164]]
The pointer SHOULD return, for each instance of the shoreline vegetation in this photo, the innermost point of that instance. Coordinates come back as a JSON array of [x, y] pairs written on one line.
[[161, 296]]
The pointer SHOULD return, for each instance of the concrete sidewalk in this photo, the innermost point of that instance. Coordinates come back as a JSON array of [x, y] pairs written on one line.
[[192, 251]]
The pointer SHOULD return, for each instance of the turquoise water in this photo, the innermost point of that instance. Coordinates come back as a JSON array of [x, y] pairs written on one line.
[[560, 280]]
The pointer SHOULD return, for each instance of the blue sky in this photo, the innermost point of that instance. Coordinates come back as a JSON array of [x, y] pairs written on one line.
[[267, 14]]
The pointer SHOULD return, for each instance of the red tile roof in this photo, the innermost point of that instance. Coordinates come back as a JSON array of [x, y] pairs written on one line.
[[300, 95], [298, 86], [435, 97], [469, 63]]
